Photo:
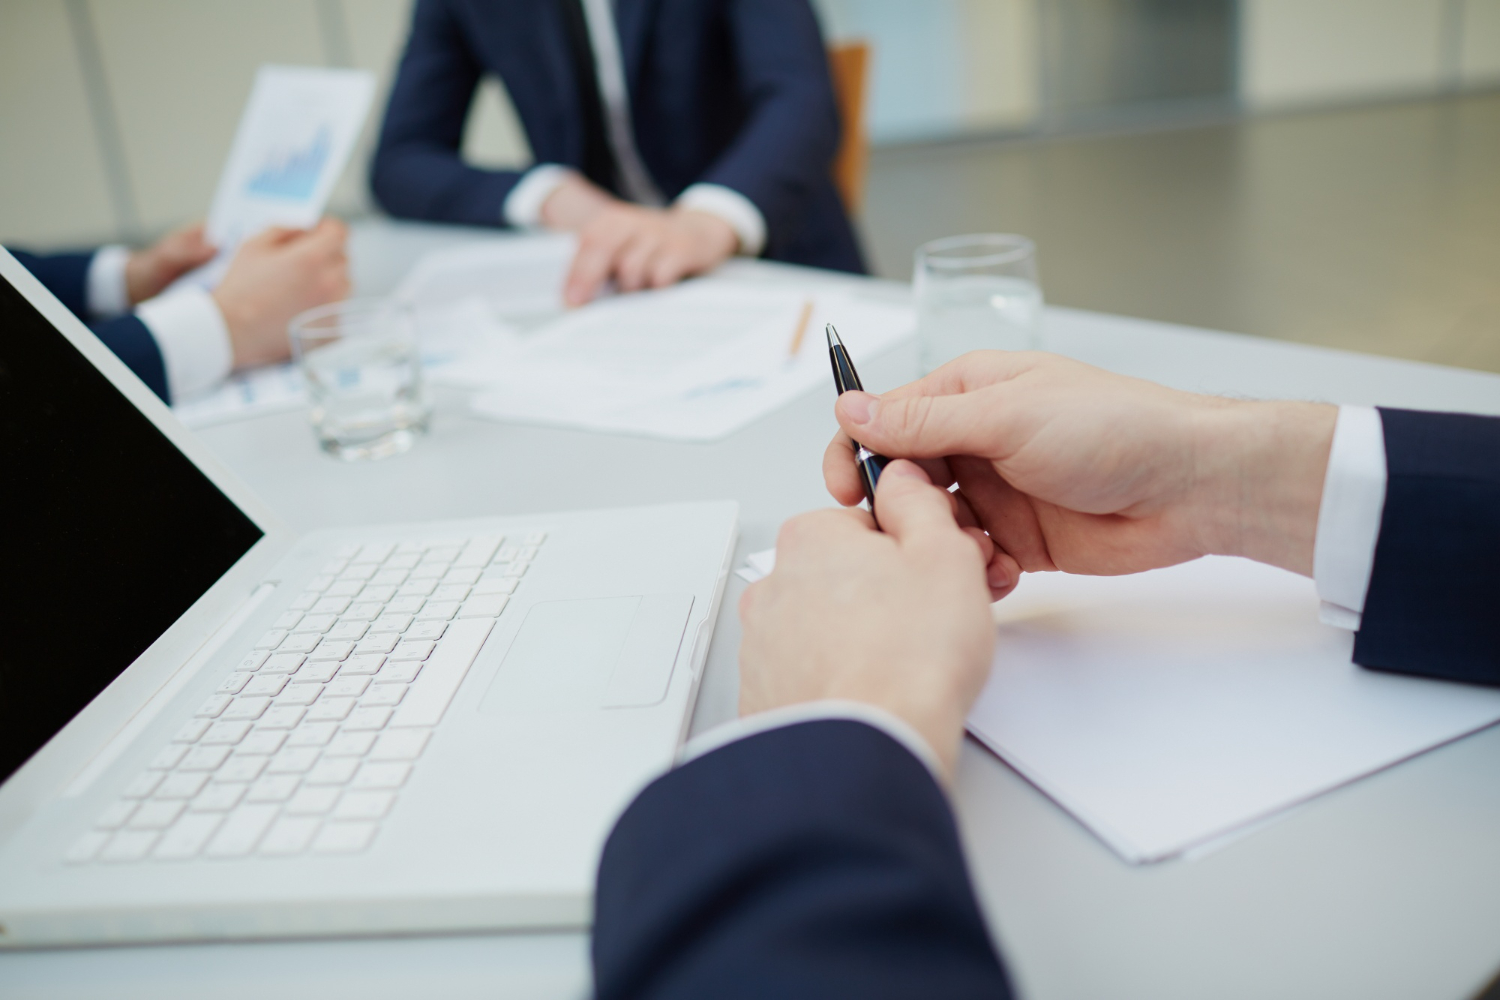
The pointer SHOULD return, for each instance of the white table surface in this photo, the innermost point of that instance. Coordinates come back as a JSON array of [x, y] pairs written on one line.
[[1387, 888]]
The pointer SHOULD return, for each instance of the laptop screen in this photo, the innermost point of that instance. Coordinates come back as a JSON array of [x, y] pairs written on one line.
[[109, 532]]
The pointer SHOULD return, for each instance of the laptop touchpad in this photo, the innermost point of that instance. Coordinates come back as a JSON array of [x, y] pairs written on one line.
[[610, 652]]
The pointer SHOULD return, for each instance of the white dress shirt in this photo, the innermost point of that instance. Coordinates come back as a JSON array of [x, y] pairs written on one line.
[[186, 324], [523, 206]]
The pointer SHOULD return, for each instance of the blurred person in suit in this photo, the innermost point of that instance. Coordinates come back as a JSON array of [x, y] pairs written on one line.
[[183, 341], [669, 134]]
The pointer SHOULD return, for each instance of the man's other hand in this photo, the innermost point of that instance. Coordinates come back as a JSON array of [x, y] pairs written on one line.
[[899, 620], [1069, 467], [273, 277], [645, 248], [148, 272]]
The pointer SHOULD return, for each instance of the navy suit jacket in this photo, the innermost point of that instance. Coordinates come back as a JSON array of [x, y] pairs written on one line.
[[66, 276], [730, 92], [1433, 606], [819, 860]]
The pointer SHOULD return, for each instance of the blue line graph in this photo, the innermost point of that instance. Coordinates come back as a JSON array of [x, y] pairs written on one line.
[[296, 175]]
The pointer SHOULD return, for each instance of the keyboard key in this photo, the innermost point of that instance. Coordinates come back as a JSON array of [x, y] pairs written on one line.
[[408, 605], [218, 798], [507, 554], [376, 551], [225, 733], [241, 829], [156, 815], [479, 551], [358, 571], [418, 650], [367, 718], [312, 734], [495, 585], [273, 788], [332, 771], [383, 694], [427, 573], [115, 815], [290, 835], [293, 760], [398, 673], [246, 707], [142, 785], [331, 605], [321, 582], [167, 758], [283, 663], [361, 663], [305, 600], [451, 592], [191, 731], [426, 630], [364, 805], [467, 577], [390, 623], [272, 639], [389, 577], [377, 594], [345, 588], [382, 643], [386, 775], [312, 801], [535, 537], [527, 554], [515, 569], [400, 744], [129, 845], [299, 642], [364, 611], [316, 623], [330, 710], [404, 560], [437, 611], [234, 683], [262, 742], [252, 661], [204, 759], [347, 687], [347, 744], [187, 837], [182, 785], [211, 708], [430, 694], [239, 770], [331, 649], [348, 631], [334, 567], [319, 672], [288, 620], [416, 588], [86, 847], [344, 838], [282, 717], [267, 685], [488, 606]]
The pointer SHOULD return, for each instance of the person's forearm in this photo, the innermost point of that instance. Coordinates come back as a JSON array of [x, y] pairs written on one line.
[[1259, 480]]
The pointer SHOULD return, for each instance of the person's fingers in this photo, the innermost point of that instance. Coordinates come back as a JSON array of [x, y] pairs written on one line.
[[1001, 574], [910, 508], [839, 473], [635, 259], [595, 260], [922, 426], [670, 266], [1006, 513]]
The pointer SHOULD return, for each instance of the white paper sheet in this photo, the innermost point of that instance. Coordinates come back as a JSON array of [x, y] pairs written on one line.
[[517, 277], [693, 363], [1171, 709], [252, 393]]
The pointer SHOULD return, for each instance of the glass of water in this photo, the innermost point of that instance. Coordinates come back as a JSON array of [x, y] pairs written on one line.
[[976, 292], [364, 377]]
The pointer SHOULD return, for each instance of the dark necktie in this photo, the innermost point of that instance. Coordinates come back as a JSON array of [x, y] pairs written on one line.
[[598, 157]]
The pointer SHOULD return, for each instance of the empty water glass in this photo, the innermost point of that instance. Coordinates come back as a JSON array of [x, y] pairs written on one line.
[[364, 377], [976, 292]]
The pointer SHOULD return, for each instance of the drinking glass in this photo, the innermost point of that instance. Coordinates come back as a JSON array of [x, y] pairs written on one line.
[[364, 377], [976, 292]]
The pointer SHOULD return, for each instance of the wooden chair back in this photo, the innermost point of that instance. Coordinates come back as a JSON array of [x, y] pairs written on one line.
[[849, 64]]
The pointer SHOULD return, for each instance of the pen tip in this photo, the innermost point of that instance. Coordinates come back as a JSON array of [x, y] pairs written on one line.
[[833, 336]]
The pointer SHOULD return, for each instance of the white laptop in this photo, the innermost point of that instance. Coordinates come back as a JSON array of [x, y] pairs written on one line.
[[211, 728]]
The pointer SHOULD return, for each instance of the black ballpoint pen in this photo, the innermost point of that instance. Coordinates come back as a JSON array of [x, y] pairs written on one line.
[[845, 378]]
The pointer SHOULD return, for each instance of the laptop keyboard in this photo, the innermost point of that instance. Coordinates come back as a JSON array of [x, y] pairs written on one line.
[[306, 745]]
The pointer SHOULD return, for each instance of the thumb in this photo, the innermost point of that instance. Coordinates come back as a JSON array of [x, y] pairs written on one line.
[[909, 506], [917, 426]]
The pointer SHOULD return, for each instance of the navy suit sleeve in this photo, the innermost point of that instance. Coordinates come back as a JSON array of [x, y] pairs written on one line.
[[785, 148], [818, 860], [1431, 608], [65, 275], [417, 171]]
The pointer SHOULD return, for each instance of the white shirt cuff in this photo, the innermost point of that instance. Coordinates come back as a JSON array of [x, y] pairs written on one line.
[[523, 206], [1349, 516], [813, 711], [734, 208], [104, 292], [194, 342]]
